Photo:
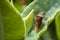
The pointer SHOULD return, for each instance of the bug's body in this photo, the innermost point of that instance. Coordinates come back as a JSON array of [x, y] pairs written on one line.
[[38, 21]]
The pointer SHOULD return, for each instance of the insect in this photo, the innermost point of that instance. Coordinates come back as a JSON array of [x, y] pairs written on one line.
[[38, 21]]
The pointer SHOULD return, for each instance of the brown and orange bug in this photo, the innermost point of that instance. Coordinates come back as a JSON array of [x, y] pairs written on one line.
[[38, 21]]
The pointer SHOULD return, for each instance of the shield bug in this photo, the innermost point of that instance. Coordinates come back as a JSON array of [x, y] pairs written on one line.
[[38, 21]]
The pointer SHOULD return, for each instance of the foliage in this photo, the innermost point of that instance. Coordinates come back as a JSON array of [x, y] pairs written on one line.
[[17, 21]]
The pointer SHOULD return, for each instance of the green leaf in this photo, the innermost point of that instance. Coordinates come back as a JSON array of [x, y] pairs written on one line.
[[57, 22], [18, 5], [50, 34], [28, 20], [39, 5], [48, 18], [13, 24], [1, 28]]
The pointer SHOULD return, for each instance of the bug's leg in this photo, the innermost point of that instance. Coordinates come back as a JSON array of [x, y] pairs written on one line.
[[43, 22], [36, 28]]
